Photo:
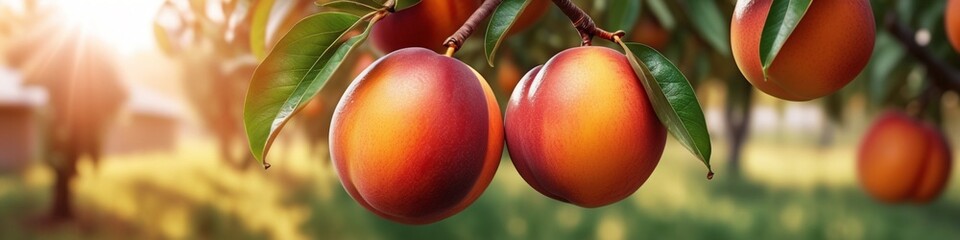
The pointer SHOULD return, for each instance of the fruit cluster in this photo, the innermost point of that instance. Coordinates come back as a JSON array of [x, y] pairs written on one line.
[[418, 136]]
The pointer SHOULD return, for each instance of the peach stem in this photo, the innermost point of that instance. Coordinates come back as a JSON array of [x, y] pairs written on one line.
[[456, 40], [450, 51], [390, 5], [584, 24]]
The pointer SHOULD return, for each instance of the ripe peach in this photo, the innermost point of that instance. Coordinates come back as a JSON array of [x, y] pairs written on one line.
[[508, 74], [580, 129], [952, 19], [417, 137], [530, 15], [903, 160], [425, 25], [313, 108], [827, 50], [649, 31]]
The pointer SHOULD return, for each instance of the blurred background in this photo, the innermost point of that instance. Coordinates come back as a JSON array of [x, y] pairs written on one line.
[[121, 120]]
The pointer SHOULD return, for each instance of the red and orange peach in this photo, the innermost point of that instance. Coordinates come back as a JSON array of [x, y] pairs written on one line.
[[903, 160], [952, 22], [508, 74], [425, 25], [417, 137], [650, 32], [580, 129], [533, 12], [828, 49]]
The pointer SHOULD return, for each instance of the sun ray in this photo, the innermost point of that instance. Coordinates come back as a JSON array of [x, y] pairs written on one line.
[[125, 25]]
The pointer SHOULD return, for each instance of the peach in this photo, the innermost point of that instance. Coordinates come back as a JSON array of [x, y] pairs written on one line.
[[508, 74], [903, 160], [417, 137], [580, 129], [829, 48], [952, 22], [425, 25], [648, 31], [533, 12]]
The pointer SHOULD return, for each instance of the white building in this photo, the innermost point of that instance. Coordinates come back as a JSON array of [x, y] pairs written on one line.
[[20, 134]]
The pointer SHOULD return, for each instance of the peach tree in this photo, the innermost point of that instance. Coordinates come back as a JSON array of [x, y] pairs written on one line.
[[416, 136]]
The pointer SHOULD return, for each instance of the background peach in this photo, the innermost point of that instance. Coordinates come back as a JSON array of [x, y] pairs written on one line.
[[952, 22], [903, 160], [425, 25], [533, 12]]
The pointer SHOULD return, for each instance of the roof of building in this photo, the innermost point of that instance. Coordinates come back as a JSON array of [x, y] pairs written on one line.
[[13, 93], [142, 100]]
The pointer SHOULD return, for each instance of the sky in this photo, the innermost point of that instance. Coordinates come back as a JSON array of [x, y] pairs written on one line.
[[125, 24]]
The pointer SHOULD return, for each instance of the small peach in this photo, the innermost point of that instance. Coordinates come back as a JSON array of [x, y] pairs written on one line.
[[903, 160]]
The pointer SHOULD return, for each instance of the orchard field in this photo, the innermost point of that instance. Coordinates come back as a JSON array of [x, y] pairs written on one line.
[[479, 119], [801, 192]]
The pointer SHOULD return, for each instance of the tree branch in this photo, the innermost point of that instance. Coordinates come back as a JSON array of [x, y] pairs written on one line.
[[455, 41], [584, 24], [942, 74]]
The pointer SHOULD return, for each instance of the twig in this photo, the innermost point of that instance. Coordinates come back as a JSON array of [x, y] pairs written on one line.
[[390, 5], [942, 75], [455, 41], [584, 24], [923, 101]]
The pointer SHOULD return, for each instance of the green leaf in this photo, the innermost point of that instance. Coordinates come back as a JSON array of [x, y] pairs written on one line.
[[377, 4], [294, 72], [349, 6], [404, 4], [887, 57], [258, 28], [662, 13], [500, 22], [783, 18], [710, 24], [380, 3], [623, 15], [673, 99]]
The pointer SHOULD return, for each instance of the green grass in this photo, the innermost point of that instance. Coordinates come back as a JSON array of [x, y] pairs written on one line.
[[796, 192]]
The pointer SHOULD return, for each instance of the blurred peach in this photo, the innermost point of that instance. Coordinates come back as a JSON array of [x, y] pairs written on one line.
[[903, 160]]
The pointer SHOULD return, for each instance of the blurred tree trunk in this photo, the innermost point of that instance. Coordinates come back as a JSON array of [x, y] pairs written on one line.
[[85, 93], [834, 115], [62, 194], [215, 87], [738, 112], [827, 135]]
